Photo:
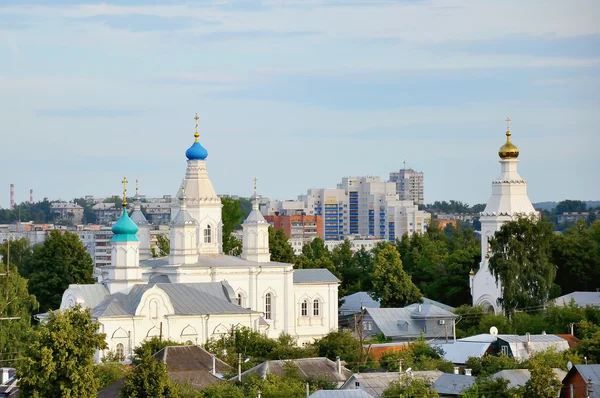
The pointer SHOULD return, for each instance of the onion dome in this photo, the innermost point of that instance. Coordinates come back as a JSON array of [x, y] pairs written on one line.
[[124, 230], [196, 151], [508, 150]]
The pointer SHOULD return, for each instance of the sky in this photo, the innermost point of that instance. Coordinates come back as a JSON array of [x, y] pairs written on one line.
[[298, 94]]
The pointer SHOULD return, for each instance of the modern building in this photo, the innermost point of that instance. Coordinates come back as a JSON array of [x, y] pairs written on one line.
[[297, 226], [409, 185], [356, 243], [68, 211], [197, 292], [509, 199], [106, 213]]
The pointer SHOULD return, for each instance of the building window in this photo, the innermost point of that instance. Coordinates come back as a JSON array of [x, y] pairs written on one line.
[[120, 352], [239, 299], [316, 308], [208, 234], [154, 309], [304, 308], [504, 350], [268, 300]]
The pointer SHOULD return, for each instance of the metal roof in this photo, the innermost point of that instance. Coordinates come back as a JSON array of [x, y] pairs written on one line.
[[307, 367], [450, 383], [212, 260], [314, 276], [518, 377], [91, 294], [582, 299], [377, 382], [590, 372], [429, 311], [341, 394], [356, 302], [480, 338], [533, 338], [460, 351], [138, 217], [406, 321]]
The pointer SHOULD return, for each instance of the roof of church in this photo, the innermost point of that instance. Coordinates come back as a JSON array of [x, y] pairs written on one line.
[[314, 276], [212, 260], [186, 298], [138, 217]]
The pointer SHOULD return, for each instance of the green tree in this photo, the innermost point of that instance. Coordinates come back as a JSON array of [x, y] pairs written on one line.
[[232, 215], [339, 344], [488, 387], [149, 379], [60, 261], [543, 382], [590, 348], [392, 286], [164, 246], [279, 247], [410, 388], [520, 260], [109, 372], [59, 361], [223, 390], [151, 347], [20, 252], [491, 364]]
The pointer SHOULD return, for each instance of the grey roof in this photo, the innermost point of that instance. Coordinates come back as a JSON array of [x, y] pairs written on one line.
[[534, 338], [307, 367], [522, 349], [356, 302], [480, 338], [590, 372], [186, 298], [518, 377], [138, 217], [582, 299], [314, 276], [377, 382], [255, 217], [92, 294], [211, 260], [184, 218], [460, 351], [430, 311], [449, 383], [438, 304], [341, 394], [408, 321]]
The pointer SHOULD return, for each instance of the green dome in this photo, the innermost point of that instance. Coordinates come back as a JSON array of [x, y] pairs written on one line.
[[125, 229]]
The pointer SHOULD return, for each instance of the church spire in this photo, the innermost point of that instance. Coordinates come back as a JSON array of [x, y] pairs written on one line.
[[255, 240], [124, 229], [508, 150], [196, 151]]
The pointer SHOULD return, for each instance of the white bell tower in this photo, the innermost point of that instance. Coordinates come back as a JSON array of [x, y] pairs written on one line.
[[255, 241]]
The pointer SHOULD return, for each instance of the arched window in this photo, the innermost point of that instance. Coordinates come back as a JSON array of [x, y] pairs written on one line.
[[268, 303], [120, 352], [239, 299], [154, 309], [208, 234], [189, 342], [316, 308], [304, 308]]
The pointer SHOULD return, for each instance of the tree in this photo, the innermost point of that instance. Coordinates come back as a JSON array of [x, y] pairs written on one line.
[[110, 371], [392, 286], [543, 382], [590, 347], [149, 379], [59, 362], [520, 260], [279, 247], [164, 246], [60, 261], [232, 215], [409, 387], [488, 387], [20, 252], [339, 344], [151, 347]]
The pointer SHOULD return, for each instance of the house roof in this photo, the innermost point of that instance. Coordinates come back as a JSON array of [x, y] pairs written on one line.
[[341, 394], [480, 338], [307, 367], [460, 351], [518, 377], [212, 260], [377, 382], [453, 384], [523, 349], [406, 322], [354, 303], [572, 340], [582, 299], [314, 276], [91, 294], [589, 372]]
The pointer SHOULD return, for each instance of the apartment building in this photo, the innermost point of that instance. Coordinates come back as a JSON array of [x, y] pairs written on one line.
[[409, 185]]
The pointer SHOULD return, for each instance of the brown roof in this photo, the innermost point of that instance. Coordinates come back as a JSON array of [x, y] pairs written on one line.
[[572, 340], [307, 367]]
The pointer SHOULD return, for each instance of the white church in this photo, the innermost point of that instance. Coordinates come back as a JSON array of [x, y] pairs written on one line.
[[197, 292], [509, 199]]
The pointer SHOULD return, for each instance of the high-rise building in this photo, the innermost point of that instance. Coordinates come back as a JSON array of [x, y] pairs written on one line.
[[409, 185]]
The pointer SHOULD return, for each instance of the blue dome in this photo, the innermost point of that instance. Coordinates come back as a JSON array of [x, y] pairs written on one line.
[[196, 152], [124, 229]]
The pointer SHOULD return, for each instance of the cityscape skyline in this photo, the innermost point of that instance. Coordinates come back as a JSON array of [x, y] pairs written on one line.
[[299, 95]]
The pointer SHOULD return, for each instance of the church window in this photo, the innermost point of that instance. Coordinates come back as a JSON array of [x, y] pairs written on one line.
[[304, 308], [240, 299], [120, 352], [316, 308], [268, 299], [208, 234], [154, 309]]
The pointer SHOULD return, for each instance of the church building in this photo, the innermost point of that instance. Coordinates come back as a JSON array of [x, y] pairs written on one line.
[[509, 199], [198, 292]]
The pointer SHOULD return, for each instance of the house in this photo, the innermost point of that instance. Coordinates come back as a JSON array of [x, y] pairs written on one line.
[[340, 394], [377, 382], [185, 364], [522, 347], [582, 299], [452, 385], [460, 351], [518, 377], [308, 368], [582, 381], [409, 323], [8, 383], [356, 302]]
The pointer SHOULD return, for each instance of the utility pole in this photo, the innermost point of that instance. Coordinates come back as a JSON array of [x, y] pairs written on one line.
[[240, 366], [6, 285]]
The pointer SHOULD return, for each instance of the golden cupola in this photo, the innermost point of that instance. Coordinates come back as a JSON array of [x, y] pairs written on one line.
[[508, 150]]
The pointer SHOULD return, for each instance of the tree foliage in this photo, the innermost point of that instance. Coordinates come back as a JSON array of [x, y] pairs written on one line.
[[59, 361], [392, 286], [232, 215], [109, 372], [418, 355], [409, 387], [60, 261], [543, 382], [279, 247], [339, 344], [163, 244], [520, 260], [151, 347], [149, 379]]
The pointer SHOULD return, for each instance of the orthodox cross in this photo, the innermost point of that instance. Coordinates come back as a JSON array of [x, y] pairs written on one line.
[[255, 184], [124, 181], [196, 134], [137, 191], [508, 120]]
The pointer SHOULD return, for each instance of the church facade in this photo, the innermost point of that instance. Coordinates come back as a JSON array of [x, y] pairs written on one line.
[[198, 292], [509, 199]]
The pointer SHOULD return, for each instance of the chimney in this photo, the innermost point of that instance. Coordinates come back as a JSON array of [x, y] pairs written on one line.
[[338, 365], [543, 332], [4, 378], [467, 372], [12, 196], [213, 369], [528, 337], [456, 370]]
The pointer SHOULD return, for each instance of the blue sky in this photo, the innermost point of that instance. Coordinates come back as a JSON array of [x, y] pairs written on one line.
[[298, 94]]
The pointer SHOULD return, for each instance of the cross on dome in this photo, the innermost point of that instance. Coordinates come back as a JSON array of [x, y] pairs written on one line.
[[196, 151], [124, 181], [508, 120], [255, 179]]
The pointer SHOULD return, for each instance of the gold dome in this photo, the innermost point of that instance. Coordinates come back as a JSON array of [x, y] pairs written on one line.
[[508, 150]]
